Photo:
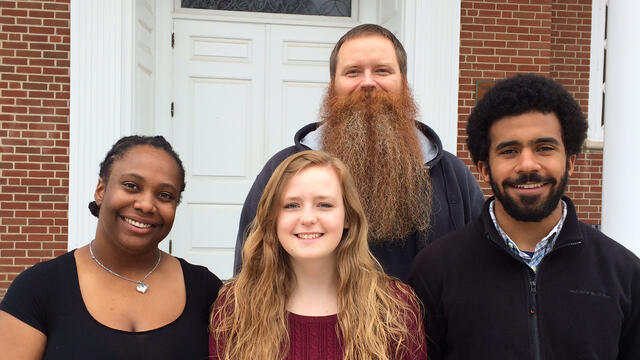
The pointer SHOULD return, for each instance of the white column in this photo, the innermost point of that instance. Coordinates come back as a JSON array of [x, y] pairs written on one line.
[[621, 163], [432, 33], [101, 97]]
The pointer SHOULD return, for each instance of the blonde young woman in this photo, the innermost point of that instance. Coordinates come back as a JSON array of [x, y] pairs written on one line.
[[309, 287]]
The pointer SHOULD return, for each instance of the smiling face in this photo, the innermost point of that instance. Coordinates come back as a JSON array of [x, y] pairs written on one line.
[[367, 61], [312, 214], [527, 165], [138, 201]]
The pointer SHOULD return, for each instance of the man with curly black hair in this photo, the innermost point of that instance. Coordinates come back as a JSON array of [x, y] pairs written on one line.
[[527, 280]]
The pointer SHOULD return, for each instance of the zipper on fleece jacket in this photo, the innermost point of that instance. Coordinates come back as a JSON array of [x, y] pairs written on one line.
[[534, 327], [532, 276], [533, 316], [534, 334]]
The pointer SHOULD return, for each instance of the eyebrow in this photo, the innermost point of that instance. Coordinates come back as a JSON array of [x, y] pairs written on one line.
[[320, 197], [505, 144], [542, 140], [133, 175], [140, 178], [352, 65], [550, 140]]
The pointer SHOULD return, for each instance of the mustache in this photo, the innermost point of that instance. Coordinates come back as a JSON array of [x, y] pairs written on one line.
[[366, 96], [369, 101], [529, 177], [369, 92]]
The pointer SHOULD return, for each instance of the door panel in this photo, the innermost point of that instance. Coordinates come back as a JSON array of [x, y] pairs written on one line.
[[218, 130], [299, 79]]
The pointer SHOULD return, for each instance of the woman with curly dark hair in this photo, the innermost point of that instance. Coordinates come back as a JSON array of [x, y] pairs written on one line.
[[120, 297]]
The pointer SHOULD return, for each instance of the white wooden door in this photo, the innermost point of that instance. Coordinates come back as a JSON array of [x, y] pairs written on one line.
[[241, 91], [218, 128]]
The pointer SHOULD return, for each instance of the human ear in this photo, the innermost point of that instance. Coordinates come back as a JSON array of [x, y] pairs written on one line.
[[98, 195], [571, 162], [483, 169]]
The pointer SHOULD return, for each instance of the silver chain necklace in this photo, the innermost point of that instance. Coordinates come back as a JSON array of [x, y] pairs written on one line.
[[141, 287]]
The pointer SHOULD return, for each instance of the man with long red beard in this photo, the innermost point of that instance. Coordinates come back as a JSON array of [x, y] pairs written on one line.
[[412, 190]]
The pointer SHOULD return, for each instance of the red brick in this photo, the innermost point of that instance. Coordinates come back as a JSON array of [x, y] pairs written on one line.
[[14, 13], [14, 93], [14, 61], [55, 71], [41, 94], [14, 28], [41, 110], [29, 102], [30, 4], [41, 174], [56, 6], [12, 205], [14, 189], [56, 23], [28, 21], [483, 5], [62, 15], [63, 47], [56, 54], [39, 46], [482, 20], [55, 245], [27, 261], [42, 30], [41, 126], [40, 206], [13, 253], [14, 109]]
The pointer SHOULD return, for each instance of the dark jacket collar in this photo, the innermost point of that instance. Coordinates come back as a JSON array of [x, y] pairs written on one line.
[[570, 232]]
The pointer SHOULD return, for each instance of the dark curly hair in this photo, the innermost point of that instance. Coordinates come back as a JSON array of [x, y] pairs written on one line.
[[125, 144], [518, 95]]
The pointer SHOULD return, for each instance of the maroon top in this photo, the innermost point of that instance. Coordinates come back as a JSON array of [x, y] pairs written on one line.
[[313, 338], [316, 338]]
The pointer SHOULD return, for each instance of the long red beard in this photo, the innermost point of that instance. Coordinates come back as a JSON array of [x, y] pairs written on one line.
[[373, 133]]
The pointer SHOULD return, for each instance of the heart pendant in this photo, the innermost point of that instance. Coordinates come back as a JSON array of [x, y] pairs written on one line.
[[142, 288]]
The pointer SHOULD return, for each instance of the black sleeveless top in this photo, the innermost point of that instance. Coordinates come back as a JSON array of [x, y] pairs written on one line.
[[47, 297]]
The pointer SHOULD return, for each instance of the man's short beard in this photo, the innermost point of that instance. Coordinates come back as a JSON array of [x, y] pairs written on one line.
[[528, 211], [374, 134]]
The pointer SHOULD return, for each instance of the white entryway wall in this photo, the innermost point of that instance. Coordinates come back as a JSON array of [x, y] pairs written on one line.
[[231, 92]]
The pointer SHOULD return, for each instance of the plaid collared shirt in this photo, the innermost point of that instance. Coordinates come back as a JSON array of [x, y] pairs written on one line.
[[542, 248]]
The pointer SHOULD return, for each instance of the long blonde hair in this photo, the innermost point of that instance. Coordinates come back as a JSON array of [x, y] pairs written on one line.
[[250, 321]]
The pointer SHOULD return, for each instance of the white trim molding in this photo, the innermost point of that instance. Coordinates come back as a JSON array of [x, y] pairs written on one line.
[[620, 198], [435, 65], [598, 19], [101, 102]]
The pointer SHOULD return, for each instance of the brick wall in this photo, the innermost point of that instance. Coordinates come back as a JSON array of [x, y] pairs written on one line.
[[499, 39], [570, 54], [34, 133]]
